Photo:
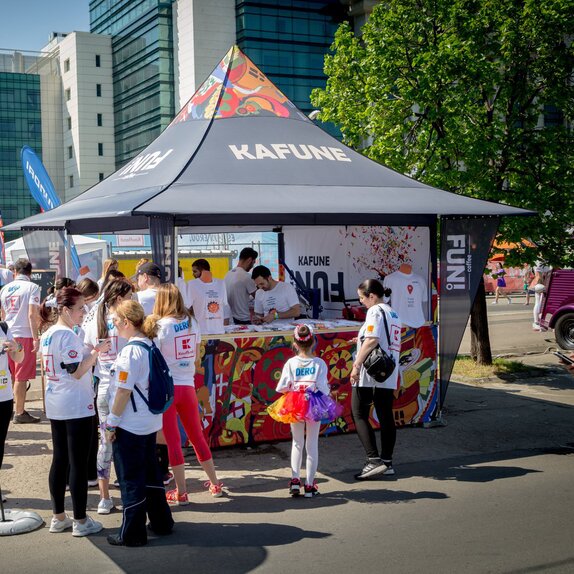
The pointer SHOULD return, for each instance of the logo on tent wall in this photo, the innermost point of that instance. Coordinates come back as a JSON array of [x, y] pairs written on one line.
[[140, 165], [282, 150], [458, 262]]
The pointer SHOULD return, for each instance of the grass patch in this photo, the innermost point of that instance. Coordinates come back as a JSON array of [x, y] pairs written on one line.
[[466, 367]]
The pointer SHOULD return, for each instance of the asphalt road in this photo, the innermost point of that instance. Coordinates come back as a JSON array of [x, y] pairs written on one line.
[[510, 329]]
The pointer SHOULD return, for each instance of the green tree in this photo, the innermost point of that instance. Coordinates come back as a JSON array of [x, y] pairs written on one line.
[[455, 92]]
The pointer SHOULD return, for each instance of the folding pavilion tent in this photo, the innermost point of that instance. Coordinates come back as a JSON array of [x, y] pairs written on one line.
[[241, 154]]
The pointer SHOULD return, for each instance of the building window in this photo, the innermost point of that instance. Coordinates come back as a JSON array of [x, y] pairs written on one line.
[[99, 90], [70, 181], [100, 120], [68, 94], [70, 152], [69, 123], [100, 149], [101, 176], [67, 65], [98, 62]]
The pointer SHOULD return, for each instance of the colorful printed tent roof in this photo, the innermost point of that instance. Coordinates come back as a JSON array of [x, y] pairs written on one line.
[[240, 153]]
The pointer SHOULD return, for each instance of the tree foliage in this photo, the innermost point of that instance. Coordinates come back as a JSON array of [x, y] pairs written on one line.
[[454, 92]]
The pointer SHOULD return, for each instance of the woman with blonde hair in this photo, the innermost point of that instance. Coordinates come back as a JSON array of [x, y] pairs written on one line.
[[110, 264], [132, 429], [178, 340]]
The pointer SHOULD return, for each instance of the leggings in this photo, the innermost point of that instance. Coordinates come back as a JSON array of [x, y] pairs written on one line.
[[311, 445], [362, 399], [71, 441], [105, 453], [6, 409], [186, 406]]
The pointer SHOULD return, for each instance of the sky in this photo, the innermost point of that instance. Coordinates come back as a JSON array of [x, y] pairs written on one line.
[[27, 24]]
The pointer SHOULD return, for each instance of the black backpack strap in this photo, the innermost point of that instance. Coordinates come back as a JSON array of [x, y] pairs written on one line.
[[386, 326], [4, 327], [136, 388]]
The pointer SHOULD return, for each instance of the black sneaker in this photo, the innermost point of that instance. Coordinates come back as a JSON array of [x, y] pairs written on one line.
[[294, 487], [25, 418], [373, 467]]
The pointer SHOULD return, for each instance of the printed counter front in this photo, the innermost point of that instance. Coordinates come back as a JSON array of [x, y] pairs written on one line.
[[240, 370]]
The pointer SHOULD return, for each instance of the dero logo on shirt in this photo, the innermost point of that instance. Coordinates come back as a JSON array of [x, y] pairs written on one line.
[[123, 377], [303, 371]]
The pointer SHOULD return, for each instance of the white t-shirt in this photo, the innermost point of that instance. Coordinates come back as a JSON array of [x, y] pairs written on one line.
[[6, 276], [105, 360], [302, 374], [374, 326], [177, 340], [281, 298], [66, 396], [16, 297], [6, 393], [409, 294], [239, 287], [132, 368], [208, 301], [146, 299]]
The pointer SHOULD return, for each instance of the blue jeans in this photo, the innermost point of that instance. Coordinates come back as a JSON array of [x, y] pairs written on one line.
[[141, 486]]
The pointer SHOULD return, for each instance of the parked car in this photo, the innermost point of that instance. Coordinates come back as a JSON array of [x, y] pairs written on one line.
[[558, 307]]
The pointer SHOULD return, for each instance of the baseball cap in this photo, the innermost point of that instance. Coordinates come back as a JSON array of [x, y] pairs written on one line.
[[150, 269]]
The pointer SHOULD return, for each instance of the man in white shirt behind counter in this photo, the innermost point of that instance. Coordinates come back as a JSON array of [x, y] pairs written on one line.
[[149, 279], [274, 299], [240, 287]]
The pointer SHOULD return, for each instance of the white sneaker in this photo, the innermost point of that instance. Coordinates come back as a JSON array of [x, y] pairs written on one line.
[[92, 483], [494, 303], [90, 526], [105, 506], [60, 525]]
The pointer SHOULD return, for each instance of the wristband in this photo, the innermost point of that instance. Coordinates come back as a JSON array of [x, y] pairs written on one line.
[[19, 347], [276, 316], [112, 420], [110, 429]]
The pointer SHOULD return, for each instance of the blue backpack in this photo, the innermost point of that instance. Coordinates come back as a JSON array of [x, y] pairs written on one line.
[[160, 381]]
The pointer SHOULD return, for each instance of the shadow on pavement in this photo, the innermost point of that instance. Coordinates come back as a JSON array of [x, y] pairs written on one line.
[[205, 547]]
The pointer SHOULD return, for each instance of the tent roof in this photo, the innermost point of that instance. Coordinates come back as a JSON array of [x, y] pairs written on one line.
[[240, 153]]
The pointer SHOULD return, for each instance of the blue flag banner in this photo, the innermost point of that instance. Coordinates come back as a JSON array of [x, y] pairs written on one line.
[[43, 191]]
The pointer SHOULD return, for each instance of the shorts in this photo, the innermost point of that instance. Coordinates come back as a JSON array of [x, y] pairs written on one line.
[[25, 370]]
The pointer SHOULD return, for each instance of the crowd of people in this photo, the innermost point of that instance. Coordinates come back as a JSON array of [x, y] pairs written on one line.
[[95, 340]]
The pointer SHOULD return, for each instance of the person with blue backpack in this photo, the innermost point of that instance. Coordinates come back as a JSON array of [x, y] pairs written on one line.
[[141, 390]]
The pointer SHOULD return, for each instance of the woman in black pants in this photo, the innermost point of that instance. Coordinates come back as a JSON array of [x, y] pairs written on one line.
[[70, 407], [382, 327], [7, 347]]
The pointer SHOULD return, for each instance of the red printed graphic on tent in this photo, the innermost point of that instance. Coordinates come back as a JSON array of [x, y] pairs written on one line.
[[49, 367], [410, 288], [185, 346], [13, 303], [395, 338]]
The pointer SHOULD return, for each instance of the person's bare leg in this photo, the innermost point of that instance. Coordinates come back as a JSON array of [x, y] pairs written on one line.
[[19, 396], [209, 469], [179, 475], [104, 486]]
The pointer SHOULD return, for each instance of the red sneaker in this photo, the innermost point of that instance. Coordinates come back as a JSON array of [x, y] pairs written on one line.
[[174, 498], [215, 489], [294, 487], [311, 490]]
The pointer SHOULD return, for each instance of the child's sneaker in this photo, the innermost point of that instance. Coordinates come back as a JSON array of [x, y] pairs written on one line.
[[57, 526], [294, 487], [311, 490], [90, 526], [174, 498], [105, 506], [167, 478], [215, 489]]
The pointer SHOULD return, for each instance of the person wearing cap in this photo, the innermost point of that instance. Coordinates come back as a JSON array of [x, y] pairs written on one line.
[[274, 299], [148, 279]]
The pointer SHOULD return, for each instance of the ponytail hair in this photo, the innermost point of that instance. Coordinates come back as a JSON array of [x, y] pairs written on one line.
[[52, 306], [375, 287], [133, 312]]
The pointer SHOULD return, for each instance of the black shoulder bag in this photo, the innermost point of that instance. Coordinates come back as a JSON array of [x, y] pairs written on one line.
[[379, 364]]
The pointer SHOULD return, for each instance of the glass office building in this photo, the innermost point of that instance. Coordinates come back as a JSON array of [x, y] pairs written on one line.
[[20, 124], [143, 76], [288, 40]]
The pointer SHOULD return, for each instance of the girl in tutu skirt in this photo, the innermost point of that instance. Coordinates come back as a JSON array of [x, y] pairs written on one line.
[[302, 376]]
